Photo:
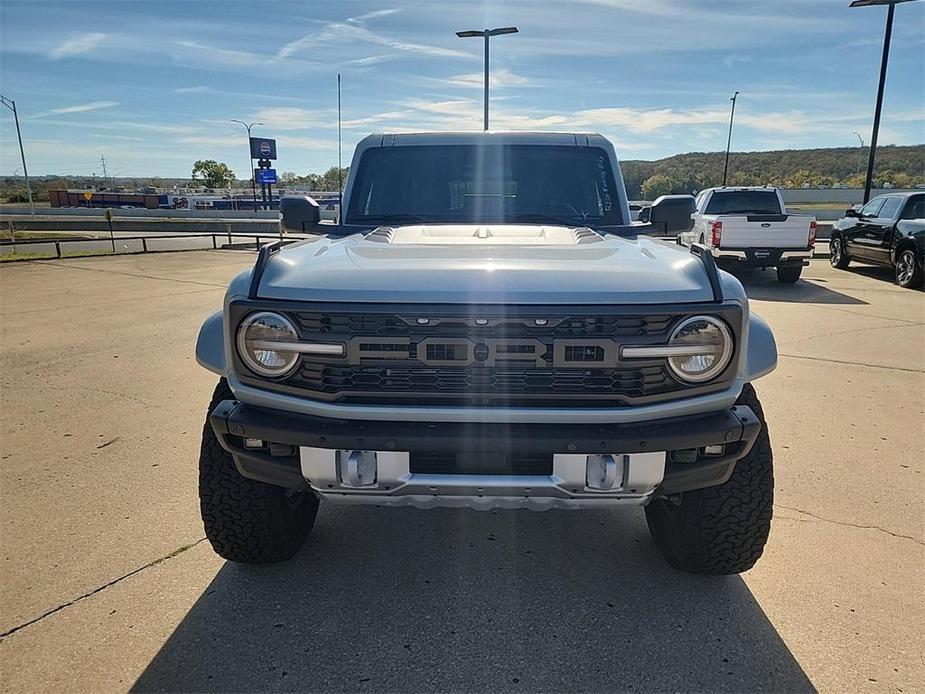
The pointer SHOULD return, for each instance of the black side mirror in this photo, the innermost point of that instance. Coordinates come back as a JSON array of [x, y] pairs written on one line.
[[671, 214], [300, 214], [852, 212]]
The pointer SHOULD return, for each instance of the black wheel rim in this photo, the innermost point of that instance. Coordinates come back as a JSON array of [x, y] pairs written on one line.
[[905, 267], [835, 252]]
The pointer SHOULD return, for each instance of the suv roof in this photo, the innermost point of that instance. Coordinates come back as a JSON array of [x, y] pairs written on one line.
[[492, 136]]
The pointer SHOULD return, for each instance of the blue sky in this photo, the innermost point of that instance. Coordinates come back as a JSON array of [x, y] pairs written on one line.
[[152, 85]]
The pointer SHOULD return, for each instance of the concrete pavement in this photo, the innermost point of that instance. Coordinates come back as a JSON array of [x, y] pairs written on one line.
[[107, 584]]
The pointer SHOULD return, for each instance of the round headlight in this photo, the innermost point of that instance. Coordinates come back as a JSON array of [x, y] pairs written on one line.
[[704, 348], [262, 339]]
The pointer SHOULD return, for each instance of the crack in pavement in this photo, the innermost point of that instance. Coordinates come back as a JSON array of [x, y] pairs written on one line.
[[117, 301], [128, 274], [868, 315], [909, 324], [845, 523], [852, 363], [101, 588]]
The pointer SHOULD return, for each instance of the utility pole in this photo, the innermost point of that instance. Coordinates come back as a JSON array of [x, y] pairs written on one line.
[[105, 176], [487, 34], [861, 140], [250, 159], [729, 138], [10, 104]]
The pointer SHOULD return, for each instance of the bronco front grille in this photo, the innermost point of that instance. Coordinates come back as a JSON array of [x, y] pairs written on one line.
[[491, 356]]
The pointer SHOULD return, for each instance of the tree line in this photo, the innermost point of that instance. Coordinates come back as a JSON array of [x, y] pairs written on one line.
[[901, 166]]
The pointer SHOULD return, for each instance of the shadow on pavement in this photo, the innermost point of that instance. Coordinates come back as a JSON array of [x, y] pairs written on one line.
[[453, 599], [762, 285]]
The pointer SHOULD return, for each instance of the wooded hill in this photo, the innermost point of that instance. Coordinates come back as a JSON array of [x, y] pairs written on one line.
[[902, 166]]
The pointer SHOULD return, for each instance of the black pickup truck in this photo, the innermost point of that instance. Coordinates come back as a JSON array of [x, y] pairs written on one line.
[[889, 231]]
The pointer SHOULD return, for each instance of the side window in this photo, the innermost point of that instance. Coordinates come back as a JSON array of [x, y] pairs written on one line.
[[915, 208], [701, 201], [890, 208], [873, 207]]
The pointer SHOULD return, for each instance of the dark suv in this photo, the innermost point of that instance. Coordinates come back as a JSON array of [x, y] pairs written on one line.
[[889, 231]]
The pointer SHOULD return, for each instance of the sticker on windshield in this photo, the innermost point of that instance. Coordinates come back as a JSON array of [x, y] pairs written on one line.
[[604, 188]]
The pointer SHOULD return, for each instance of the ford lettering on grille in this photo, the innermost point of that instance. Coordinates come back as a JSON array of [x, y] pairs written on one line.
[[488, 351]]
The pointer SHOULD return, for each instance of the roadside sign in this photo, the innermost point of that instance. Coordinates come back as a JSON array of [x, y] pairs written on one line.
[[265, 175], [263, 148], [88, 196]]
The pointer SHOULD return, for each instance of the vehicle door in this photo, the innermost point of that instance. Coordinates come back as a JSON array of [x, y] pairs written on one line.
[[857, 243], [880, 229]]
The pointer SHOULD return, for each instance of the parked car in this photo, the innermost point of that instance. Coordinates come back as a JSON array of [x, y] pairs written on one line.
[[751, 226], [888, 231], [637, 206], [487, 328]]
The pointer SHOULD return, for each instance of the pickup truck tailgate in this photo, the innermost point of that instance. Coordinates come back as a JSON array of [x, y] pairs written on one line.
[[764, 231]]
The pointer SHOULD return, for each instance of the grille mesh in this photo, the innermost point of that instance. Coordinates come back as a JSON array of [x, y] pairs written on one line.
[[401, 359]]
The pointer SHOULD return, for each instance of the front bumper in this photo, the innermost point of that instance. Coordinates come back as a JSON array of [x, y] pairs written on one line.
[[765, 257], [379, 462]]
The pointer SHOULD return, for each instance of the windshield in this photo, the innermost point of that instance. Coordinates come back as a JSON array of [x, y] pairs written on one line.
[[484, 183], [744, 202]]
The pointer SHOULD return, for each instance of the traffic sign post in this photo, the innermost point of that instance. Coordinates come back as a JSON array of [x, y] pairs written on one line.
[[88, 196], [112, 236]]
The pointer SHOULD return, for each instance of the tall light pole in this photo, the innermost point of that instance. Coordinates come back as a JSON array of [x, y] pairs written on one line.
[[861, 140], [729, 139], [250, 159], [487, 34], [10, 104], [885, 58]]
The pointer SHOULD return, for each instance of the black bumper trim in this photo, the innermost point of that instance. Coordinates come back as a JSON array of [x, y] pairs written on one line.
[[736, 427]]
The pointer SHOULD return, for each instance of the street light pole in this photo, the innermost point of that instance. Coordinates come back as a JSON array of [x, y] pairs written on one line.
[[729, 138], [487, 34], [10, 104], [887, 36], [250, 159]]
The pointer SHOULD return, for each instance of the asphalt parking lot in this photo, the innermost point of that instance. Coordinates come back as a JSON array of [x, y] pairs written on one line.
[[108, 584]]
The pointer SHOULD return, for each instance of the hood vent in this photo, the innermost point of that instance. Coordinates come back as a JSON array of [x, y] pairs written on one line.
[[485, 234]]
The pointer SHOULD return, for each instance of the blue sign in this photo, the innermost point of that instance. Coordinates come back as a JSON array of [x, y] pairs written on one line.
[[266, 176]]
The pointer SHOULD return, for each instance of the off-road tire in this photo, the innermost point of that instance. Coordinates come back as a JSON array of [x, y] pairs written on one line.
[[245, 520], [909, 277], [789, 274], [720, 530], [838, 256]]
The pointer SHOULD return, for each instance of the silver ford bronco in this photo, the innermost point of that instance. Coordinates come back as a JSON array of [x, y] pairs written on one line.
[[486, 327]]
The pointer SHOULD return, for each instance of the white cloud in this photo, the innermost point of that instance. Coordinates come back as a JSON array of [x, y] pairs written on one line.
[[77, 45], [201, 89], [77, 108], [292, 118], [336, 35], [222, 56], [375, 14], [500, 77]]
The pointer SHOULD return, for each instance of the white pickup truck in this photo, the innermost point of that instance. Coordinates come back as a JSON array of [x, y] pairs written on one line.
[[752, 226]]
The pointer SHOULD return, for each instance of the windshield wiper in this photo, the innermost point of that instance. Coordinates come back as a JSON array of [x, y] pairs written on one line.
[[395, 219], [544, 218]]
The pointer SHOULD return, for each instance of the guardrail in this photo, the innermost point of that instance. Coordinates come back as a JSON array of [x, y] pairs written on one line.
[[132, 245]]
